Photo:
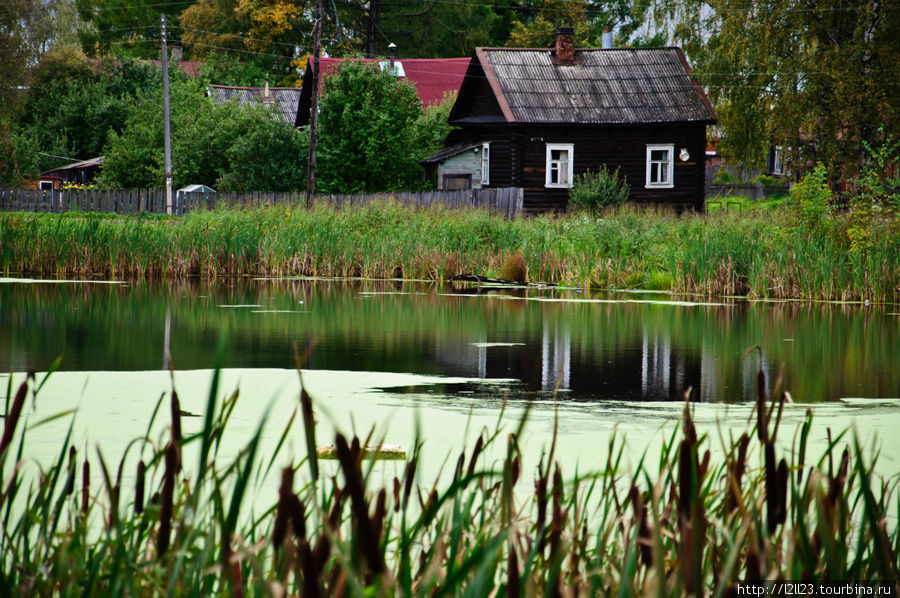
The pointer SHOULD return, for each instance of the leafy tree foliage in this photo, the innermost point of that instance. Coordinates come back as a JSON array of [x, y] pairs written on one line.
[[819, 77], [227, 147], [68, 108], [370, 137], [536, 28], [268, 155]]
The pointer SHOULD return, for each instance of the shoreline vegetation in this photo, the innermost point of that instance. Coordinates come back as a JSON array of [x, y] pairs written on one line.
[[774, 253], [684, 522]]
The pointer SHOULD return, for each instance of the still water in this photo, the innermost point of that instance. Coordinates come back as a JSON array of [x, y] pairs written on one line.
[[519, 343], [412, 360]]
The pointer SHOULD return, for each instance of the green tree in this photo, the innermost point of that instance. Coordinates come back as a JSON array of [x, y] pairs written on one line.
[[223, 146], [536, 25], [269, 156], [127, 28], [819, 77], [368, 131]]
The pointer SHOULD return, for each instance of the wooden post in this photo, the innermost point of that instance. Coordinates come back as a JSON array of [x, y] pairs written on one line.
[[166, 127], [314, 109]]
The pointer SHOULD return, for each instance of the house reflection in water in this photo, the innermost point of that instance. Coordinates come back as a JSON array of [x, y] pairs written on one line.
[[651, 367]]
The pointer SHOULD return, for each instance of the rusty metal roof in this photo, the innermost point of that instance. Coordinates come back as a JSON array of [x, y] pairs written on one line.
[[283, 100], [617, 86]]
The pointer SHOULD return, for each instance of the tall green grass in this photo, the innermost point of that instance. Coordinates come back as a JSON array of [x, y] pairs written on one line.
[[760, 254], [684, 523]]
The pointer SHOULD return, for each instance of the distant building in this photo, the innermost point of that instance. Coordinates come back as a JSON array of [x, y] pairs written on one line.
[[536, 118], [77, 173], [433, 78], [282, 100]]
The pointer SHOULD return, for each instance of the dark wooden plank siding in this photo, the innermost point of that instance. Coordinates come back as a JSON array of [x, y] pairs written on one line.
[[479, 99], [518, 158]]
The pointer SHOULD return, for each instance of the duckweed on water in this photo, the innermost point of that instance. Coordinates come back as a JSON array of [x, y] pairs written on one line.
[[687, 523]]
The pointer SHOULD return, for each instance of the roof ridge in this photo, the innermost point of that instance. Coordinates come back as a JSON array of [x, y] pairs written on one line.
[[577, 49]]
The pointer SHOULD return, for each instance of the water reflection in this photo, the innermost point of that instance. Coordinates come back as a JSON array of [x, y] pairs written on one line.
[[583, 346]]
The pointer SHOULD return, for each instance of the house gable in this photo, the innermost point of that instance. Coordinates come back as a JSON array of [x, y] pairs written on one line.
[[613, 86], [480, 97]]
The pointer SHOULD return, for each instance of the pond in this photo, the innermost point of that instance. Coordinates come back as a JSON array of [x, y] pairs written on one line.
[[397, 355]]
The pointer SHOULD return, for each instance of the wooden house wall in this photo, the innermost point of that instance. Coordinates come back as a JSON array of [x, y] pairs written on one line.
[[467, 162], [478, 99], [518, 159]]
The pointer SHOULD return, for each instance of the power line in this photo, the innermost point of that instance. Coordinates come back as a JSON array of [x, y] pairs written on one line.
[[255, 39]]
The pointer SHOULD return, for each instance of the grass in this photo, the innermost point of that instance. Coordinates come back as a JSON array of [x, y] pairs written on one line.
[[760, 253], [685, 523]]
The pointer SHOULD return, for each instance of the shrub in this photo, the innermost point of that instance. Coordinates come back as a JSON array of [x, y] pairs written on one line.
[[724, 177], [595, 190], [811, 197]]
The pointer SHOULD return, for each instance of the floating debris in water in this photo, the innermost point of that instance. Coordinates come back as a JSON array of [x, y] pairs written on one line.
[[239, 305], [387, 452]]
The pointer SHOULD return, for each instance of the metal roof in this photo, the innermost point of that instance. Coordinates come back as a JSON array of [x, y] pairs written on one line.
[[449, 151], [91, 163], [283, 99], [614, 86], [433, 78]]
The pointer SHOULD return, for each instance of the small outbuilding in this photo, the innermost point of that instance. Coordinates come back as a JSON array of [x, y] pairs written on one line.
[[76, 173], [536, 118], [194, 190]]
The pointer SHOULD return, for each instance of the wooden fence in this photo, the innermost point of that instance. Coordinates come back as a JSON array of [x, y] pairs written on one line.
[[505, 201]]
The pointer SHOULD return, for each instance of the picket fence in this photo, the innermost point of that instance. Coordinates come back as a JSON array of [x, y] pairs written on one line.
[[504, 201]]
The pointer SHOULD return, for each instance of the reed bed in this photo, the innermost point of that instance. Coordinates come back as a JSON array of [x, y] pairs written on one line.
[[684, 524], [759, 254]]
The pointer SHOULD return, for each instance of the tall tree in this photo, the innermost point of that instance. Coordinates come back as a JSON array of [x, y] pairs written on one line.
[[127, 28], [367, 131], [539, 19], [820, 76]]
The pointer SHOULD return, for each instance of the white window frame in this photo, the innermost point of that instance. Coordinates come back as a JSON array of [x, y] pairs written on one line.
[[43, 182], [778, 160], [669, 182], [485, 163], [553, 165]]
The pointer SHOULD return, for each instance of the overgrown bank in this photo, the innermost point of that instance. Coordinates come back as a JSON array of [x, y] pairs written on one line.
[[773, 254]]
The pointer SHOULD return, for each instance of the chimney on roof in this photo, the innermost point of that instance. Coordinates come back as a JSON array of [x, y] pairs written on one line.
[[606, 38], [177, 53], [392, 47], [565, 44], [267, 97]]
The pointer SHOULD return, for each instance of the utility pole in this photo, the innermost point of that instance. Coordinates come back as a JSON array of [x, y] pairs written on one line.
[[314, 109], [166, 130]]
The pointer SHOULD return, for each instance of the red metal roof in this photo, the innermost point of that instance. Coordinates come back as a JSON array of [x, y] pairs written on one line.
[[433, 77]]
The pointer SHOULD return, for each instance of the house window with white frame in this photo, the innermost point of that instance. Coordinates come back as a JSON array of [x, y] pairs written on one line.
[[660, 166], [560, 164], [485, 163], [778, 160]]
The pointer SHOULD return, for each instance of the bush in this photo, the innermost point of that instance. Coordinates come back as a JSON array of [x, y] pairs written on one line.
[[724, 177], [596, 190], [811, 197]]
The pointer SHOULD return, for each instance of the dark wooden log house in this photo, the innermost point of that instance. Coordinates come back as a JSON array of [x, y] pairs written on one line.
[[535, 118]]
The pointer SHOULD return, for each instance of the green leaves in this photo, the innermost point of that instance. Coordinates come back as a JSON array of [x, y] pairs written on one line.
[[368, 133], [595, 190], [227, 147]]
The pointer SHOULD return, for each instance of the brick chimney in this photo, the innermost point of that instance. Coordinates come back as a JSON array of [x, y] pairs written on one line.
[[565, 44]]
